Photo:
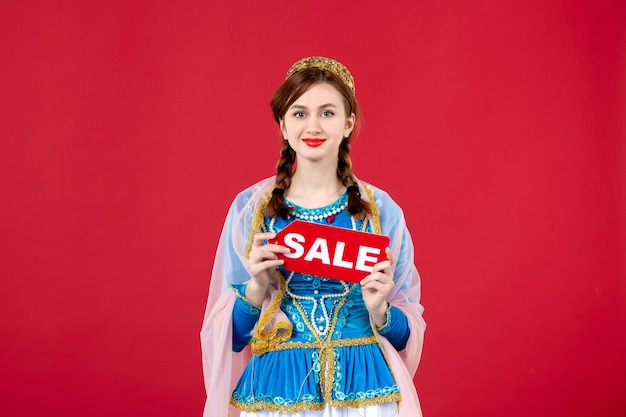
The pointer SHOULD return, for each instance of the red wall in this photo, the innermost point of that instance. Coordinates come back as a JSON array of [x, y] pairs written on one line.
[[127, 128]]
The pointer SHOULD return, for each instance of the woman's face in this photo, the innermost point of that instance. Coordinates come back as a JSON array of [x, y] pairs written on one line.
[[316, 123]]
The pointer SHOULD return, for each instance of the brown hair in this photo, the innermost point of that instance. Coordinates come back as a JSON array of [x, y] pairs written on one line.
[[286, 94]]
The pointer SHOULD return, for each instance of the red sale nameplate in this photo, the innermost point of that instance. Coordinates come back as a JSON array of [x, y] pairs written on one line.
[[330, 251]]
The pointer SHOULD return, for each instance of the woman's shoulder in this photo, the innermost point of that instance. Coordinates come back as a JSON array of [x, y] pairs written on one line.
[[381, 197], [254, 193]]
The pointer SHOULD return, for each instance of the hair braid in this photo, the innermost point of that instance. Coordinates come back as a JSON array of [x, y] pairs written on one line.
[[284, 170], [356, 205], [344, 164]]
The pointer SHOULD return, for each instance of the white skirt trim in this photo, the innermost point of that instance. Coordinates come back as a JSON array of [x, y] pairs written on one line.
[[382, 410]]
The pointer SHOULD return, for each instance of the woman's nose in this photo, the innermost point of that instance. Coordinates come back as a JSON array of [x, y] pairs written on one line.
[[313, 126]]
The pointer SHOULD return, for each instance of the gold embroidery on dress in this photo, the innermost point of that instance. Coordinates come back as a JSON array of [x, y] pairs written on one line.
[[265, 340], [292, 408], [245, 299], [375, 212], [318, 344], [258, 221]]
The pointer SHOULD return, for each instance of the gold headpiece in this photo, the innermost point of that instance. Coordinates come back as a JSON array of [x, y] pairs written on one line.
[[323, 63]]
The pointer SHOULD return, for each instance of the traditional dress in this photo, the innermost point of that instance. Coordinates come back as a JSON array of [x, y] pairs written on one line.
[[311, 349]]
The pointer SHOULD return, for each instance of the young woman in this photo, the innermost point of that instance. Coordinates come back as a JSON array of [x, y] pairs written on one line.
[[283, 343]]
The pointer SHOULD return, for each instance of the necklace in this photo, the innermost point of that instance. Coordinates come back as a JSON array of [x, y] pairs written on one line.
[[329, 215], [326, 213], [319, 324]]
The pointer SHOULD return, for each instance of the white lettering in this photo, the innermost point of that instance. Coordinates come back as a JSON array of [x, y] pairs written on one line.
[[319, 250], [338, 257], [291, 241], [363, 257]]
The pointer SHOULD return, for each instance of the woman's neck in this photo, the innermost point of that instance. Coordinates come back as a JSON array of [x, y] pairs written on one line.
[[313, 188]]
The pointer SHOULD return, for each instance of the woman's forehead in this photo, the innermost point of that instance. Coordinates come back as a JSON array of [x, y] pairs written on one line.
[[320, 94]]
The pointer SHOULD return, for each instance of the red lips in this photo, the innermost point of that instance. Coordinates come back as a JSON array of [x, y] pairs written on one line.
[[313, 142]]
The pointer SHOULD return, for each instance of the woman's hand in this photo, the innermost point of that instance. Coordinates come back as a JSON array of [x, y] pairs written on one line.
[[376, 288], [261, 260]]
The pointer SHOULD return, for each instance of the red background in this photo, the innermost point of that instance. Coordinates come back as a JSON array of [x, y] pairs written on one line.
[[127, 127]]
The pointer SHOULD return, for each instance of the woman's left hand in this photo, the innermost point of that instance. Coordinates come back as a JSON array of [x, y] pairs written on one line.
[[376, 288]]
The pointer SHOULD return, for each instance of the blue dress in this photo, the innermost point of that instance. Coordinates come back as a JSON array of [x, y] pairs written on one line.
[[333, 355]]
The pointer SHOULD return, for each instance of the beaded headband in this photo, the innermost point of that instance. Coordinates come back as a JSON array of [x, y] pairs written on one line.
[[326, 64]]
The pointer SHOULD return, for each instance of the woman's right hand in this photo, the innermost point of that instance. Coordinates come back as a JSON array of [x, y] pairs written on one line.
[[262, 259]]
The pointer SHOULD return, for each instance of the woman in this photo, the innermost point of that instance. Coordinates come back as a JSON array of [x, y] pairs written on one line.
[[278, 342]]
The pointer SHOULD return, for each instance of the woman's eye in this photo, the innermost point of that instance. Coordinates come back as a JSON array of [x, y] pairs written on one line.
[[327, 113], [299, 114]]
